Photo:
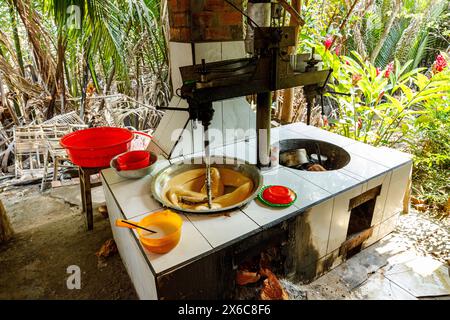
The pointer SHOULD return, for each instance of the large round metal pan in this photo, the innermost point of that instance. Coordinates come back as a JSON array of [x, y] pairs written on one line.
[[163, 177]]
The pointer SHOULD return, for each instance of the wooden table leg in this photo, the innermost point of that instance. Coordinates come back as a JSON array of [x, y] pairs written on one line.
[[55, 168], [86, 197], [88, 200], [83, 203]]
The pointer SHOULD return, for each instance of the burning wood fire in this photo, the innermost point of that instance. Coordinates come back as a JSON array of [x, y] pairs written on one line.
[[256, 276]]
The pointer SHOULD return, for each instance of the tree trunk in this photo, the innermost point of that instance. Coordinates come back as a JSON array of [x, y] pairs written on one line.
[[13, 20], [287, 110], [108, 85], [59, 81], [386, 31], [85, 79], [6, 231], [5, 103]]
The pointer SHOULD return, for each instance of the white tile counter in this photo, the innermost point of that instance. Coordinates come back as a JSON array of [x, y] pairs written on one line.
[[322, 198]]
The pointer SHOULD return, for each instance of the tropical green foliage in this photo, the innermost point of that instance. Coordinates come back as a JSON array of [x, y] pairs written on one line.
[[66, 44], [410, 107], [397, 29]]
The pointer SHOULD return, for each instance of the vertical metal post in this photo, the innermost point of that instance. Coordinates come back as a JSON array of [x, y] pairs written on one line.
[[263, 123]]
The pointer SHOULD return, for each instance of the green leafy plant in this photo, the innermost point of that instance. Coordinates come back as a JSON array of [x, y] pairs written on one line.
[[398, 108]]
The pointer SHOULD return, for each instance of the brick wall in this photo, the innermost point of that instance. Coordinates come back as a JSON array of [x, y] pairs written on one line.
[[205, 20]]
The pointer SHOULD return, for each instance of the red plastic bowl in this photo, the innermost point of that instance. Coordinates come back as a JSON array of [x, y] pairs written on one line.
[[278, 195], [134, 160], [95, 147]]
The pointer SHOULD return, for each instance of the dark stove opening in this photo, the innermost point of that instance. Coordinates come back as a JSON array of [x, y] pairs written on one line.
[[302, 154], [359, 227]]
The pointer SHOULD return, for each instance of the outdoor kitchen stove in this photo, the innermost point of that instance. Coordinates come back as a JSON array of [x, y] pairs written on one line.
[[321, 229], [337, 213]]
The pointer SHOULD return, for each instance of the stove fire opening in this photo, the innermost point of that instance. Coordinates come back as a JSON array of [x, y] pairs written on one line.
[[359, 229]]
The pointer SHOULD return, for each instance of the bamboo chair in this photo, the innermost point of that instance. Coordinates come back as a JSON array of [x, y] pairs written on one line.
[[53, 130]]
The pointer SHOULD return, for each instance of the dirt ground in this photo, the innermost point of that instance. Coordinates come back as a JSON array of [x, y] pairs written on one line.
[[50, 235]]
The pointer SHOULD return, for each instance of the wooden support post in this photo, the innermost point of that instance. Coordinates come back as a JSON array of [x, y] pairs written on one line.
[[287, 110], [6, 231]]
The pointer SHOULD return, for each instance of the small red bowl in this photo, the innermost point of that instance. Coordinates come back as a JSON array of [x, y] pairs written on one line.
[[278, 195], [134, 160]]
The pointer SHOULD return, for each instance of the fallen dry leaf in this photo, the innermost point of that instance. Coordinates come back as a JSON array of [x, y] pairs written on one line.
[[108, 249], [421, 207], [416, 201], [244, 277], [272, 289]]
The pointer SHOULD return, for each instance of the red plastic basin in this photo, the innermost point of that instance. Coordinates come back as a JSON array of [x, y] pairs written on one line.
[[134, 160], [95, 147]]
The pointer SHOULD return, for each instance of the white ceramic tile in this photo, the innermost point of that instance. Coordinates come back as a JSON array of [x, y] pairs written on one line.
[[263, 215], [198, 137], [282, 133], [191, 245], [180, 56], [135, 197], [320, 134], [159, 165], [216, 127], [171, 127], [222, 228], [233, 50], [175, 130], [297, 127], [235, 119], [153, 147], [307, 194], [384, 156], [319, 220], [160, 131], [135, 263], [210, 51], [363, 168], [111, 176], [384, 181], [352, 175], [331, 181], [388, 226], [340, 218], [251, 123], [397, 189], [241, 150]]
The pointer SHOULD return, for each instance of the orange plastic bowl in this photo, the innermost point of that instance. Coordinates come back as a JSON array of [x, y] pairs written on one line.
[[167, 220]]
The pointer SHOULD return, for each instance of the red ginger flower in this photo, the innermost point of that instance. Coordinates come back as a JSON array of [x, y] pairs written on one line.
[[378, 71], [440, 64], [360, 123], [328, 42], [337, 50], [389, 69]]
